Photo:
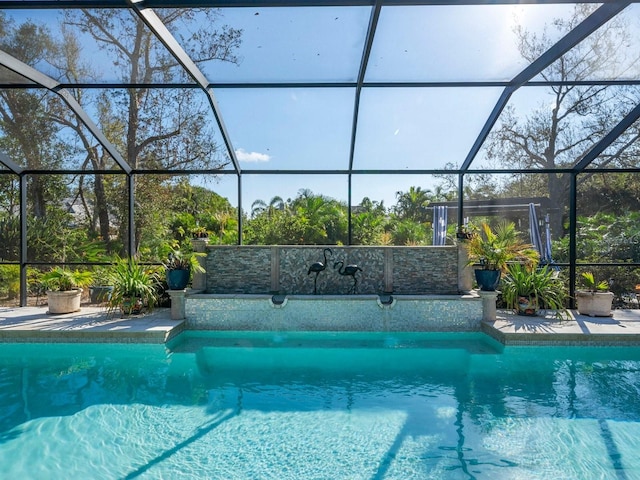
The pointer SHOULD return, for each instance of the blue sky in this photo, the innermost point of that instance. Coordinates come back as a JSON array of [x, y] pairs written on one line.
[[398, 128]]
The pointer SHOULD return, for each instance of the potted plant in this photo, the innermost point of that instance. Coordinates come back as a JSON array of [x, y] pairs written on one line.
[[64, 288], [179, 267], [493, 249], [135, 286], [464, 232], [100, 290], [596, 299], [199, 232], [526, 290]]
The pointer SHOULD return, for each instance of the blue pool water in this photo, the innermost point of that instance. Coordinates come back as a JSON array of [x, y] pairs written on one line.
[[319, 406]]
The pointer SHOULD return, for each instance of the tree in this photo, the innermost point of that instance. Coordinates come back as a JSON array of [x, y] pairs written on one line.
[[412, 205], [308, 219], [368, 221], [32, 140], [195, 205], [408, 232], [325, 218], [280, 229], [259, 207], [562, 129], [615, 193], [29, 138], [156, 128]]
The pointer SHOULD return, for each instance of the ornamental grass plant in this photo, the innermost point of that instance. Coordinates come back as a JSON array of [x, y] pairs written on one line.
[[536, 288]]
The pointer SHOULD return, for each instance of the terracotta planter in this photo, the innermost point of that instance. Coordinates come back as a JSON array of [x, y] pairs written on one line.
[[594, 304], [67, 301]]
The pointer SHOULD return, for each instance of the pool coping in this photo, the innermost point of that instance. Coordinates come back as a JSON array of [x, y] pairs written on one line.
[[96, 325]]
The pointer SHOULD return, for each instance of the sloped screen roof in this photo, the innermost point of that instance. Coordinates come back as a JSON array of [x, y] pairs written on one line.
[[337, 87]]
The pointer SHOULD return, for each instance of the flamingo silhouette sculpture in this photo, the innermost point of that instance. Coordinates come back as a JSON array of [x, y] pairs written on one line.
[[318, 267], [349, 270]]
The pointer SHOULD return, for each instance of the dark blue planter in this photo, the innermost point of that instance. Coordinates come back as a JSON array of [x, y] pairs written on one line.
[[488, 279], [100, 293], [178, 279]]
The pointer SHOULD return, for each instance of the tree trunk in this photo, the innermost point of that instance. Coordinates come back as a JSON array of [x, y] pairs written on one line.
[[36, 194], [102, 212], [558, 186]]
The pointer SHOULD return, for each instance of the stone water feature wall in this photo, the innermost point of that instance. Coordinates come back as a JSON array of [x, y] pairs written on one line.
[[359, 313], [283, 270]]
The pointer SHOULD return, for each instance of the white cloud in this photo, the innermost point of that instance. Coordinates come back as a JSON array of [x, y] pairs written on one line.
[[255, 157]]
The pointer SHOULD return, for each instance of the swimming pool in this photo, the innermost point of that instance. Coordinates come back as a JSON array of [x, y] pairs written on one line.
[[226, 405]]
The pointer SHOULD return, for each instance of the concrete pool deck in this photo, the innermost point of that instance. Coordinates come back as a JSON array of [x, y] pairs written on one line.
[[622, 328], [95, 324], [91, 324]]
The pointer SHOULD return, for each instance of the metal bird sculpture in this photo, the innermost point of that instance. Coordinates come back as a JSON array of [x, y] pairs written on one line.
[[318, 267], [349, 270]]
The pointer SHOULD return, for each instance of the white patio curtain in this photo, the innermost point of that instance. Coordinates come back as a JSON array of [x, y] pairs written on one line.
[[440, 225]]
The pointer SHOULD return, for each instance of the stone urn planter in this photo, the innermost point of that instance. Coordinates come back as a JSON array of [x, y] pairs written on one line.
[[64, 288], [596, 300], [66, 301], [594, 304]]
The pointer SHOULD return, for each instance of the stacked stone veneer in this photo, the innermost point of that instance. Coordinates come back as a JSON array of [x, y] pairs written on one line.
[[334, 313], [284, 270]]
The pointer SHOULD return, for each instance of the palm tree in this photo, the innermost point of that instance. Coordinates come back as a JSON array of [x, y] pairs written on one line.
[[324, 218], [368, 228], [259, 207], [407, 232], [412, 205]]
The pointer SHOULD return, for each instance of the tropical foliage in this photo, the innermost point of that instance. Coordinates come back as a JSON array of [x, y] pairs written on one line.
[[179, 260], [494, 248], [538, 287], [64, 279], [133, 280], [591, 284]]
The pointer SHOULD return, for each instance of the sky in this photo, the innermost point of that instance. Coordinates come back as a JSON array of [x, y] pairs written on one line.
[[398, 128]]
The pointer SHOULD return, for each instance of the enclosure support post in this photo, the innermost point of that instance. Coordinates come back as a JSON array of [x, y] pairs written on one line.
[[23, 241], [460, 201], [572, 239], [349, 211], [240, 226], [132, 226]]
